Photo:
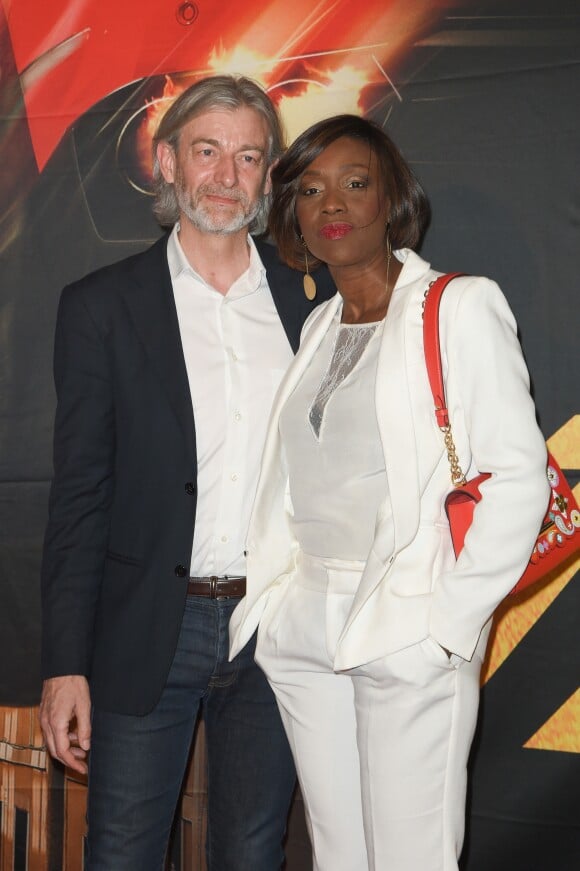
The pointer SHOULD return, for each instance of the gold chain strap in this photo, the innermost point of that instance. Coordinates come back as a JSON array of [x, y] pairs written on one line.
[[457, 477]]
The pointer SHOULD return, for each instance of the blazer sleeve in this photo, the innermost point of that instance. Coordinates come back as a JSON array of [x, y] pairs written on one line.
[[491, 411], [81, 494]]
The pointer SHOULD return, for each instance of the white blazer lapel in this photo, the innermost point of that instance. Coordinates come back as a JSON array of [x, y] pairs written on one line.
[[398, 518], [322, 318], [270, 542], [401, 357], [269, 482], [397, 432], [395, 419]]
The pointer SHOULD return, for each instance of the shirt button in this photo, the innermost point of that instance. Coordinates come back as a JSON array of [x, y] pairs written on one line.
[[237, 416], [180, 571], [234, 357], [224, 538], [234, 477], [190, 488]]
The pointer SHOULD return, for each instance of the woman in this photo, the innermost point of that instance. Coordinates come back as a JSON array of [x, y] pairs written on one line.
[[371, 633]]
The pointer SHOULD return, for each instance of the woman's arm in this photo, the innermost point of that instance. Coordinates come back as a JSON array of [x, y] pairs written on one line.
[[494, 425]]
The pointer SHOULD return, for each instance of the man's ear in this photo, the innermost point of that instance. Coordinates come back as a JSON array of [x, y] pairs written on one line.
[[268, 179], [166, 160]]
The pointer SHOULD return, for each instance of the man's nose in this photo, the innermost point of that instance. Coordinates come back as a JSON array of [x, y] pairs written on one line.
[[226, 170]]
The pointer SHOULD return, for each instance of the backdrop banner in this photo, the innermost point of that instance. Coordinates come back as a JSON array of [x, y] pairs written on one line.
[[482, 98]]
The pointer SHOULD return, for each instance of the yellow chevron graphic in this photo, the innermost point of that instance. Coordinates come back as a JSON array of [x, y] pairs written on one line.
[[562, 731], [565, 444], [515, 617]]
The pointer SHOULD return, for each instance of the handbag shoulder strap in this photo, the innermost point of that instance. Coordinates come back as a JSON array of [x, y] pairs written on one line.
[[432, 345], [432, 350]]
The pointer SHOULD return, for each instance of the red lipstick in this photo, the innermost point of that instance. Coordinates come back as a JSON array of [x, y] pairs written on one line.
[[336, 230]]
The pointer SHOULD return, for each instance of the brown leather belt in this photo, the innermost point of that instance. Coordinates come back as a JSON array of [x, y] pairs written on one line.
[[218, 588]]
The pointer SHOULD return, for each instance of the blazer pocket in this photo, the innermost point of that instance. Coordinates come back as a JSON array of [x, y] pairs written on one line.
[[124, 558], [435, 653]]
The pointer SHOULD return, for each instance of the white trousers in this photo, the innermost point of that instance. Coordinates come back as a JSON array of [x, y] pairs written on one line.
[[380, 750]]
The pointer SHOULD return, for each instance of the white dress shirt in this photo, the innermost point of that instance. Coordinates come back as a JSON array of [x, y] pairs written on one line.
[[236, 352]]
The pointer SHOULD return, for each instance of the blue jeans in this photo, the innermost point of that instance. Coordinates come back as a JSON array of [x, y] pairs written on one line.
[[137, 764]]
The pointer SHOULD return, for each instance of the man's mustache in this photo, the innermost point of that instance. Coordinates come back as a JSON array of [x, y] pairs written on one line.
[[227, 193]]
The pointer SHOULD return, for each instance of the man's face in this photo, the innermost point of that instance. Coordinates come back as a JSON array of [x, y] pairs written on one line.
[[219, 170]]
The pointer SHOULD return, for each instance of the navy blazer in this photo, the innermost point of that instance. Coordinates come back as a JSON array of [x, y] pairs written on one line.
[[123, 499]]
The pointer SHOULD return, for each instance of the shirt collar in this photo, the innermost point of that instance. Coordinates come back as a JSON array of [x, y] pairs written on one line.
[[250, 280], [176, 259]]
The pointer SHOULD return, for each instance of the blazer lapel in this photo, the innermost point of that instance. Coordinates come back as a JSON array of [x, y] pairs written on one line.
[[395, 419], [395, 396], [149, 298], [271, 455], [270, 541]]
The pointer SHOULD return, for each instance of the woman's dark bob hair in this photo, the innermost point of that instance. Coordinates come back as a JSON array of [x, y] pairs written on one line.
[[409, 207]]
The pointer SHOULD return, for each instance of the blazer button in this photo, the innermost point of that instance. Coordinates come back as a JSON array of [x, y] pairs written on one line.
[[190, 488], [180, 571]]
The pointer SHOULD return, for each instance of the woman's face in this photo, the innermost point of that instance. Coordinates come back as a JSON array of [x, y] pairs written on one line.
[[341, 207]]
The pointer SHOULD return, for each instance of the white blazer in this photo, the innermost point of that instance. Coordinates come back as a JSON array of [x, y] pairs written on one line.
[[417, 588]]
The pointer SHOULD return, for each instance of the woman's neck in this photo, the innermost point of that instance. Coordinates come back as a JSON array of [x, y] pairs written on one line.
[[366, 293]]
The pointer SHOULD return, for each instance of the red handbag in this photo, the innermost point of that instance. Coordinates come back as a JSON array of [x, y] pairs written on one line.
[[559, 536]]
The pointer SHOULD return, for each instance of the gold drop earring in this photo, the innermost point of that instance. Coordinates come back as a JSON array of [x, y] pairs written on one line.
[[307, 280]]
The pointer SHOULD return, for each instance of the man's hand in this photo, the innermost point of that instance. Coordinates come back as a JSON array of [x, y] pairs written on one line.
[[65, 719]]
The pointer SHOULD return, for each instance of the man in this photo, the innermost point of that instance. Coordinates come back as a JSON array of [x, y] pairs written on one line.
[[166, 365]]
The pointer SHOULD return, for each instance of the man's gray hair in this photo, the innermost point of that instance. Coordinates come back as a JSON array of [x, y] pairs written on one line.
[[216, 92]]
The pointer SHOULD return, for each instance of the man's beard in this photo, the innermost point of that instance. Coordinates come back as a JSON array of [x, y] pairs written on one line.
[[209, 220]]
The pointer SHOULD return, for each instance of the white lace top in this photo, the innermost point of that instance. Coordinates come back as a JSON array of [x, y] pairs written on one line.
[[350, 342], [333, 447]]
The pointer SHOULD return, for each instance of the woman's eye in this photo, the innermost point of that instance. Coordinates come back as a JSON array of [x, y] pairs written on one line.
[[308, 192], [357, 184]]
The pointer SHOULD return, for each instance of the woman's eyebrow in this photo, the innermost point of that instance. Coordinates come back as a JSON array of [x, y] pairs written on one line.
[[342, 167]]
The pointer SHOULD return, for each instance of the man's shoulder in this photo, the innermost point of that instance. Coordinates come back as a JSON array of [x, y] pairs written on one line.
[[113, 277]]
